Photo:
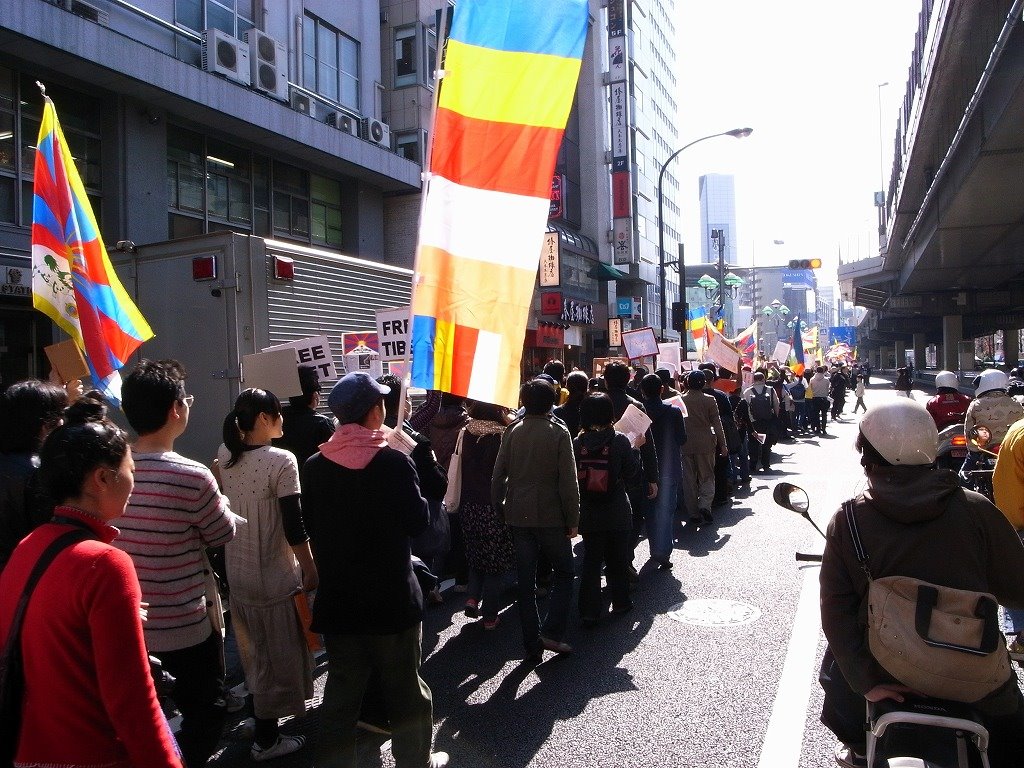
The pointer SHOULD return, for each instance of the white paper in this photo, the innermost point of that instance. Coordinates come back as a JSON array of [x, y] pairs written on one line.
[[669, 356], [723, 353], [633, 424], [400, 441], [781, 353]]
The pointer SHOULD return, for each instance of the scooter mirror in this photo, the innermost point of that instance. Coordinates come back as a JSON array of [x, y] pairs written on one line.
[[792, 497]]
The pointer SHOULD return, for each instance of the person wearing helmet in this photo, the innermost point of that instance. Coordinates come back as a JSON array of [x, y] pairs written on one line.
[[992, 408], [949, 406], [914, 521], [1015, 387]]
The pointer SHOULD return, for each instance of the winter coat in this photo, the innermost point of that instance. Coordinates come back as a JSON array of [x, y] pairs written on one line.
[[669, 429], [997, 411], [704, 430], [916, 522], [534, 482], [480, 443], [443, 431]]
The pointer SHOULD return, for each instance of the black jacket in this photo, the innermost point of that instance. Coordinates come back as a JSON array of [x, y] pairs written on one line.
[[613, 513], [304, 431], [360, 522], [648, 453]]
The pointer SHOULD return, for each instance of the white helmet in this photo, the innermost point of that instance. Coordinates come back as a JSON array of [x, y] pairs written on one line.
[[902, 431], [946, 379], [990, 380]]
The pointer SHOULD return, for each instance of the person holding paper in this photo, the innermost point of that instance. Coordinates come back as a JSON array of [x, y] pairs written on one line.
[[669, 429], [763, 407], [616, 377], [705, 439]]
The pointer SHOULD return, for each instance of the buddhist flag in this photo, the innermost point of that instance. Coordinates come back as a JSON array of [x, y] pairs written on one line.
[[73, 281], [797, 352], [511, 68], [698, 317]]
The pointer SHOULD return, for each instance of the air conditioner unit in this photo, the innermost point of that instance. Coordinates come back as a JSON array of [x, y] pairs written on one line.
[[301, 102], [376, 131], [343, 122], [268, 60], [224, 55], [89, 11]]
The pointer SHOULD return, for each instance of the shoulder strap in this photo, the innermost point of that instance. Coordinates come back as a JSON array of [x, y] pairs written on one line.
[[56, 546], [858, 545]]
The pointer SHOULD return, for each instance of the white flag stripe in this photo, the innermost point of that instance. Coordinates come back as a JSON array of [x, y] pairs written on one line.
[[51, 281], [481, 229], [483, 384]]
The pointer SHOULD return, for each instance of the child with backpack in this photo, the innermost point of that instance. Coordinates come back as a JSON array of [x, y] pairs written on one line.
[[605, 461]]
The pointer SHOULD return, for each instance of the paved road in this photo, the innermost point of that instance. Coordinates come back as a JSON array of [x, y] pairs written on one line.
[[646, 689]]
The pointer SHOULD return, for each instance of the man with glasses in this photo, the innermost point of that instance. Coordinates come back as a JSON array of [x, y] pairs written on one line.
[[175, 512]]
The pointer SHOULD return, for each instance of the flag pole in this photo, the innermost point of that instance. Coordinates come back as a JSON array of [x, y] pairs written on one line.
[[425, 175]]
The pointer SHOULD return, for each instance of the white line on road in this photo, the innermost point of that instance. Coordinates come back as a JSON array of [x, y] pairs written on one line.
[[783, 741]]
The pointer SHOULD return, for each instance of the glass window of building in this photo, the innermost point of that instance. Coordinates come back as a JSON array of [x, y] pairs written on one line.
[[326, 211], [234, 17], [330, 62], [407, 145], [8, 148], [291, 201], [405, 56]]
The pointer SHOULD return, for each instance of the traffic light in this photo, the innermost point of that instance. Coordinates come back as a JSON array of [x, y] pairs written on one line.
[[679, 316], [804, 263]]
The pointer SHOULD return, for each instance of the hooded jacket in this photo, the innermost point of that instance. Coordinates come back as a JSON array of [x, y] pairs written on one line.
[[916, 522], [995, 410]]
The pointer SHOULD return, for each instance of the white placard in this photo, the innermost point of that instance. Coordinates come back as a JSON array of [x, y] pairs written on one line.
[[669, 356], [723, 352], [640, 343], [393, 333], [550, 270], [314, 352], [273, 370], [781, 353], [370, 364]]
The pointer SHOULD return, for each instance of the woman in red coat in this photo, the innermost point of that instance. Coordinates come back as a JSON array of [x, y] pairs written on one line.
[[89, 698]]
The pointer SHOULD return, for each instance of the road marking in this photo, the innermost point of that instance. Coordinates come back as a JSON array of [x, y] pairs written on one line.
[[783, 741]]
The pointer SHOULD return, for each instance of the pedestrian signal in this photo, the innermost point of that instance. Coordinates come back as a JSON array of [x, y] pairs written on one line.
[[804, 263]]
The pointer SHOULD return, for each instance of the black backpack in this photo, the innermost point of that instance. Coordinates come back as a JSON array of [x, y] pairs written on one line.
[[594, 470], [761, 405], [797, 391]]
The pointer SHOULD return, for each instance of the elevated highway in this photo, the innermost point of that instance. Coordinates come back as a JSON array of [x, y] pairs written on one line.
[[951, 263]]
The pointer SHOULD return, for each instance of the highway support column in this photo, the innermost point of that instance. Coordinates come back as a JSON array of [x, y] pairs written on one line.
[[952, 335], [900, 348], [1011, 347], [920, 358]]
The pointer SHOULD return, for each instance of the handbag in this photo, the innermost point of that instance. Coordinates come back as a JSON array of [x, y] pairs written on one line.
[[435, 541], [453, 495], [12, 667], [940, 641]]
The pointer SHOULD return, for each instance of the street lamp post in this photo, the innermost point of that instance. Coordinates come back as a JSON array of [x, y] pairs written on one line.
[[738, 133]]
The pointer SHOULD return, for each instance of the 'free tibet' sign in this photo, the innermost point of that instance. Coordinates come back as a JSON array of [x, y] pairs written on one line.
[[393, 333]]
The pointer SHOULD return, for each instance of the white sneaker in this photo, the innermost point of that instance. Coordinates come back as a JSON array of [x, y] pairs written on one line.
[[284, 745]]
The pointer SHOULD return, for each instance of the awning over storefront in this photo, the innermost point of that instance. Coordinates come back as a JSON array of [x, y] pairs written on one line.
[[606, 272]]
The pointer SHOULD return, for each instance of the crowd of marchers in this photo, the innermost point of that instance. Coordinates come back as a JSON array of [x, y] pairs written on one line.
[[124, 562]]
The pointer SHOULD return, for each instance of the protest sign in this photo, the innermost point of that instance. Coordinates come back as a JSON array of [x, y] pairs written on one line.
[[781, 353], [722, 352], [67, 360], [273, 370], [669, 356], [314, 352], [393, 333], [359, 343], [640, 343], [677, 402]]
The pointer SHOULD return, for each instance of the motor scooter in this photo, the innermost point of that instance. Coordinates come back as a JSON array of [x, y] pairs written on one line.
[[918, 732]]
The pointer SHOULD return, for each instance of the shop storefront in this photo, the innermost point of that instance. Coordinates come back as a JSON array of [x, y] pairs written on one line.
[[23, 331]]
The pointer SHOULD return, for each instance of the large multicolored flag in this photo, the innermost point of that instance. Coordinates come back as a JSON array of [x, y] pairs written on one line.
[[73, 281], [797, 352], [699, 325], [746, 342], [511, 68]]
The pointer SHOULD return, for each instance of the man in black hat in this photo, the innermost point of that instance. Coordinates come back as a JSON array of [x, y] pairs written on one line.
[[362, 502]]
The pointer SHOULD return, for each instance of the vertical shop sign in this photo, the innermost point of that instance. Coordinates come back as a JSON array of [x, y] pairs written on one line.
[[550, 269]]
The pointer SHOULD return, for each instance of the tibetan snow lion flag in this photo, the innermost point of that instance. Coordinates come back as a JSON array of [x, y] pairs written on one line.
[[73, 281], [510, 72]]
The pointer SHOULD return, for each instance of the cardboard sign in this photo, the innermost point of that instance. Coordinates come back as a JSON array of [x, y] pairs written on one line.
[[393, 334], [601, 362], [273, 370], [66, 359], [640, 343], [314, 352]]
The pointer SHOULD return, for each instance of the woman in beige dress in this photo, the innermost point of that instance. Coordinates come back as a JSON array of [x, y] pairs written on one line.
[[268, 563]]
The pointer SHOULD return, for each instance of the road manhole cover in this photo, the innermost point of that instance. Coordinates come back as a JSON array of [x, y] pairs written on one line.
[[714, 613]]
